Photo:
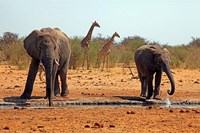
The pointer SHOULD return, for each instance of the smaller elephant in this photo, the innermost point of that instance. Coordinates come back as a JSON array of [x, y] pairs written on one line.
[[150, 60]]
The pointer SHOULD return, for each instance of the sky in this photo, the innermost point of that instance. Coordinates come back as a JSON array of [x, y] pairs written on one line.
[[171, 22]]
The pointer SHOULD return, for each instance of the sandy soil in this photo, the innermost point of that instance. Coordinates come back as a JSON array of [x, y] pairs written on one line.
[[96, 85]]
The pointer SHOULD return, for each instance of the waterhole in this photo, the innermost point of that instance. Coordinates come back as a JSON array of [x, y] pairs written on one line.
[[167, 104]]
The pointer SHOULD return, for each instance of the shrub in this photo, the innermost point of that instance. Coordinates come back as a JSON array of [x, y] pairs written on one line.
[[15, 54], [187, 56]]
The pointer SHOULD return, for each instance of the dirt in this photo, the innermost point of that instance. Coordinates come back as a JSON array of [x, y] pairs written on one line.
[[94, 85]]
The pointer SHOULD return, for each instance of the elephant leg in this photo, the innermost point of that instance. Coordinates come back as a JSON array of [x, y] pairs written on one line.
[[158, 77], [64, 85], [30, 79], [57, 87], [143, 86], [150, 85]]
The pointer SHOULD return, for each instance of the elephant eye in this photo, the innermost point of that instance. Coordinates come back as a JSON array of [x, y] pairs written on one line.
[[46, 41]]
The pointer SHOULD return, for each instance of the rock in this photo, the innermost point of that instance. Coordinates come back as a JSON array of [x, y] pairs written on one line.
[[112, 126], [9, 88], [196, 111], [79, 76], [97, 125], [130, 112], [40, 126], [23, 108], [196, 82], [6, 128], [87, 126], [180, 80], [17, 86], [171, 111], [182, 111], [187, 111], [16, 107], [112, 82], [90, 78], [149, 107]]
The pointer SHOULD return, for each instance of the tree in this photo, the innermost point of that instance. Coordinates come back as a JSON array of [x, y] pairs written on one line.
[[9, 38], [195, 41]]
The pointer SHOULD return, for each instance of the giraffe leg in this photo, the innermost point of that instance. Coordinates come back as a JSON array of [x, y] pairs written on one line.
[[83, 60], [107, 63], [88, 63], [98, 60], [103, 64], [99, 63]]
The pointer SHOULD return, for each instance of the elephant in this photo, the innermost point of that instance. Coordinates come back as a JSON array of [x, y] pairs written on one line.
[[150, 60], [52, 48]]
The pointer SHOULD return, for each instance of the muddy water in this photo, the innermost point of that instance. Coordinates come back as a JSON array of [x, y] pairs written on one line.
[[167, 104]]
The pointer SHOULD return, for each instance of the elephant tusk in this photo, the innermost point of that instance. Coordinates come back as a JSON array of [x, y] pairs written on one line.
[[56, 62]]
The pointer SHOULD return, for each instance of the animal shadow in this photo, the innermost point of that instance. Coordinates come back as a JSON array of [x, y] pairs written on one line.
[[17, 101], [141, 100]]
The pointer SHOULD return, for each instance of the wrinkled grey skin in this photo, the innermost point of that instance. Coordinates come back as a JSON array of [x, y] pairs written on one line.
[[52, 48], [150, 60]]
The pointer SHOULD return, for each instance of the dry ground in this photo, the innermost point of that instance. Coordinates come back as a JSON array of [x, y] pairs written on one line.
[[96, 85]]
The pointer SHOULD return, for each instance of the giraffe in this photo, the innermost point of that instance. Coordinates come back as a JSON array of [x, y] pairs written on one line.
[[103, 54], [85, 44]]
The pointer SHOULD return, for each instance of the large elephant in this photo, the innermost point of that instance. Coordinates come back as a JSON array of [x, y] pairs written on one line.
[[150, 60], [52, 48]]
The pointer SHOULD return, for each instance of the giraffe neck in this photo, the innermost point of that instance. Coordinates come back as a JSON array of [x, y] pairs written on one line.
[[107, 46], [112, 39], [85, 42], [89, 34]]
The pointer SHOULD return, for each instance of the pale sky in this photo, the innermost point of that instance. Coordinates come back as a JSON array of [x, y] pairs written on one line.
[[169, 22]]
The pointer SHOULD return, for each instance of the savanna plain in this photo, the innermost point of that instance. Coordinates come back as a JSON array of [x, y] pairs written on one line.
[[95, 85]]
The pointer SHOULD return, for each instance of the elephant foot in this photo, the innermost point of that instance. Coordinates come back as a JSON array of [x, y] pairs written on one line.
[[57, 95], [142, 95], [25, 96], [157, 97], [47, 97], [63, 94], [148, 97]]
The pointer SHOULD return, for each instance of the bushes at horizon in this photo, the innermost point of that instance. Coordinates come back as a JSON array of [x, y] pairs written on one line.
[[184, 56]]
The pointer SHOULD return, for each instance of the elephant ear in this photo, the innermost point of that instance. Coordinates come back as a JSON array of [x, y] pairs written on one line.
[[168, 53], [157, 59], [31, 45]]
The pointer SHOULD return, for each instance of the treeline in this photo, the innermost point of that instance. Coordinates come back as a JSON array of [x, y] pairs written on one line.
[[184, 56]]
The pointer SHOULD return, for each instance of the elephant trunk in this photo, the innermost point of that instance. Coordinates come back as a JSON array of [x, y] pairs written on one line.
[[167, 70], [50, 68]]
